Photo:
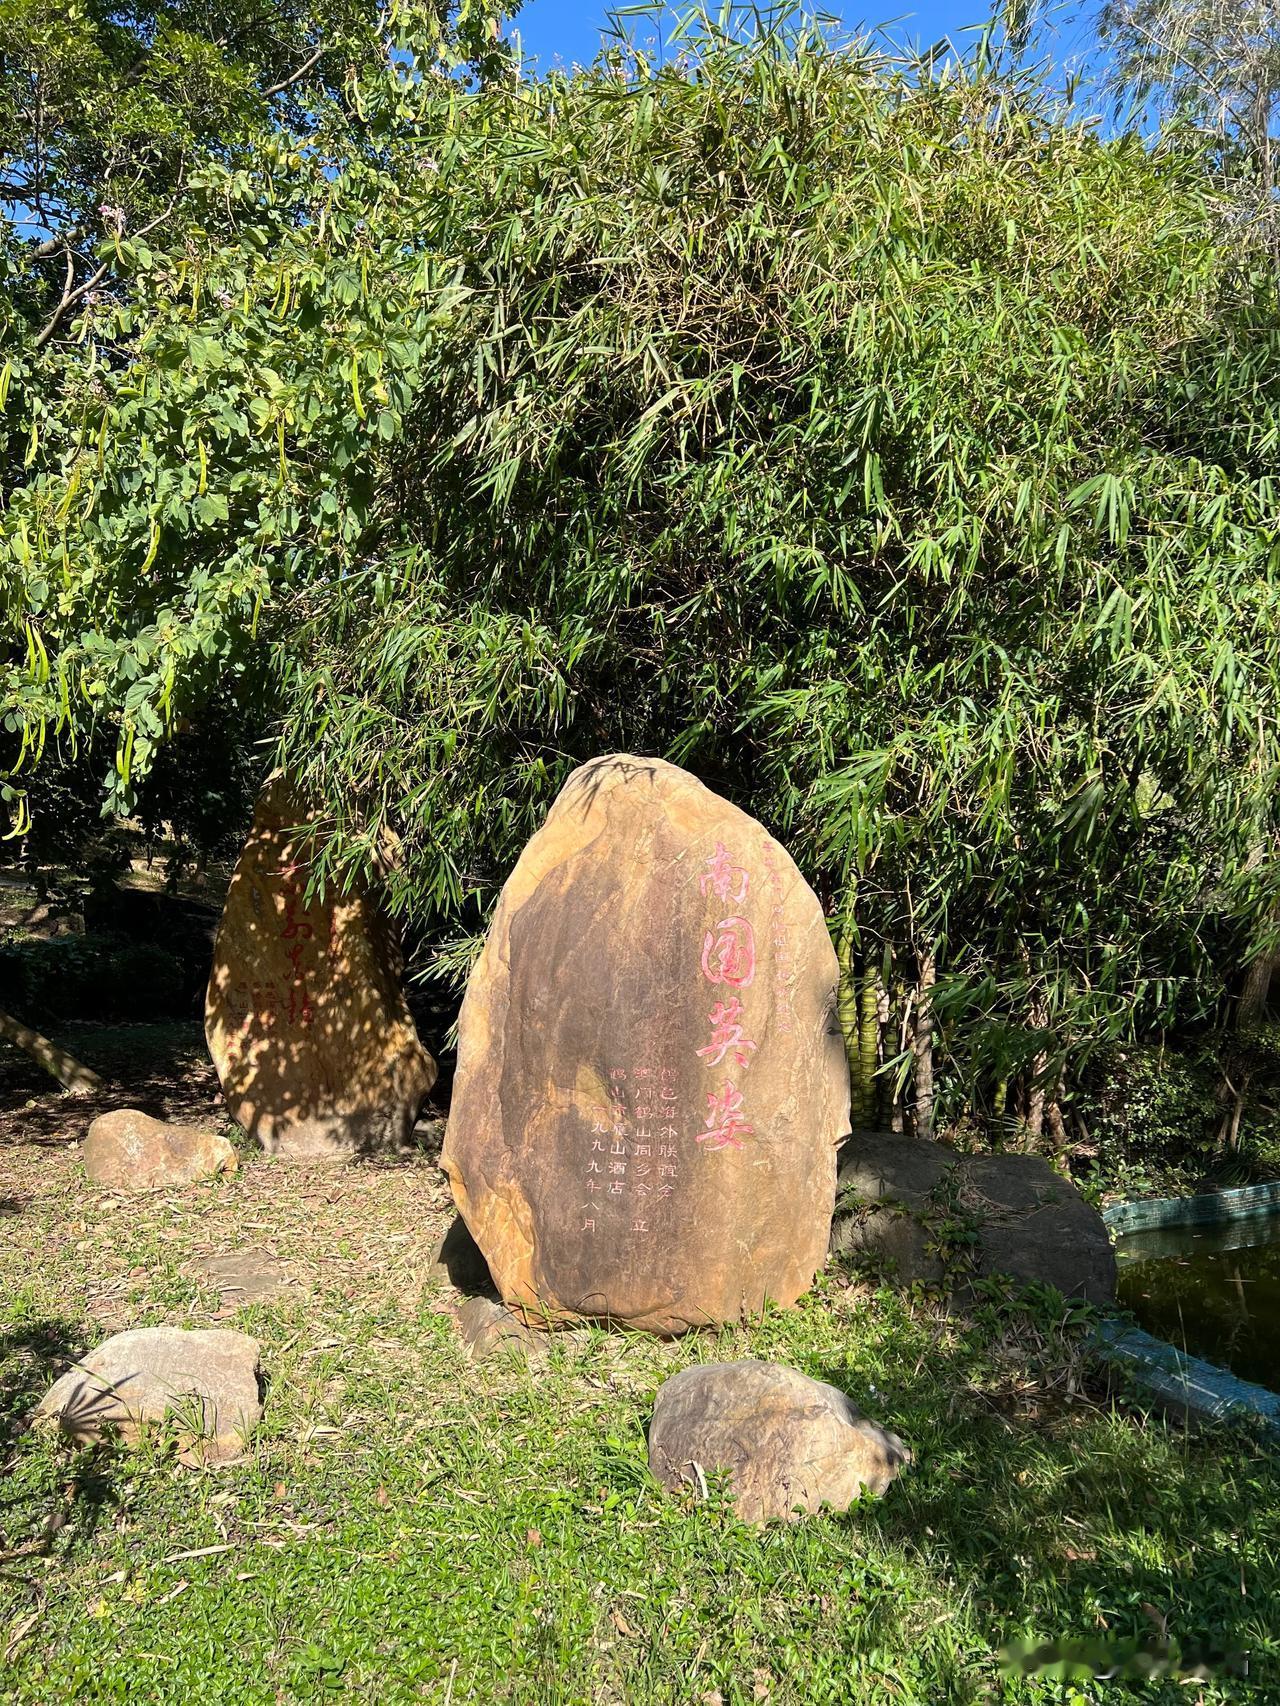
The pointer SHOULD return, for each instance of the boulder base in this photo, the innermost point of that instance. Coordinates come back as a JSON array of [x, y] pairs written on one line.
[[895, 1193], [129, 1151], [206, 1381], [651, 1082], [457, 1261], [486, 1327], [305, 1016], [789, 1444]]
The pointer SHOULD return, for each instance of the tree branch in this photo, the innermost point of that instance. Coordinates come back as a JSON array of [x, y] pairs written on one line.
[[297, 76], [71, 296], [69, 1072]]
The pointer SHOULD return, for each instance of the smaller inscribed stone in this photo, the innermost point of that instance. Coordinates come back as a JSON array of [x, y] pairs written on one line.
[[305, 1015]]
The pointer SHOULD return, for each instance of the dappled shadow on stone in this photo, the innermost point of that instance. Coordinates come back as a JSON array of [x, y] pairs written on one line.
[[306, 1017]]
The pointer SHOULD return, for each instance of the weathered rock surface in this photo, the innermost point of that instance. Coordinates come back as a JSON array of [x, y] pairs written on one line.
[[207, 1381], [788, 1443], [487, 1326], [305, 1016], [895, 1193], [245, 1276], [130, 1151], [651, 1083]]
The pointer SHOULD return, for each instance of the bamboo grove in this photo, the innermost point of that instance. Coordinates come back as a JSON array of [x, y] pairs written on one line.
[[888, 446]]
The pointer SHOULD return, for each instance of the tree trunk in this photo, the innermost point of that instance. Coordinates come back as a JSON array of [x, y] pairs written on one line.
[[923, 1048], [1257, 988], [1053, 1116], [69, 1072], [906, 1038], [1037, 1020], [1036, 1099]]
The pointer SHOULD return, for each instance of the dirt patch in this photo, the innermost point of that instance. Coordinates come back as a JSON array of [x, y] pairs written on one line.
[[162, 1069], [279, 1235]]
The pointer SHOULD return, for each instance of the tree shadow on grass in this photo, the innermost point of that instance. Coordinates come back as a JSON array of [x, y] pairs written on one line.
[[32, 1355], [160, 1069], [1063, 1515], [46, 1497]]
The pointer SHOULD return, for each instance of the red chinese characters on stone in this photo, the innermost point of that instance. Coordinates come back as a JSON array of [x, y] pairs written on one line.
[[298, 931], [728, 958], [727, 1035], [729, 953], [725, 1126], [723, 878]]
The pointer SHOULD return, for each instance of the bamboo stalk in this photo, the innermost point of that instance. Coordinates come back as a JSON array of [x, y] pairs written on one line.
[[847, 1014], [923, 1047], [869, 1042]]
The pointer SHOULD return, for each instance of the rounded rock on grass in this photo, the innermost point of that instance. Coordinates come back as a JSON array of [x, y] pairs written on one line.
[[788, 1444], [204, 1382], [129, 1151], [1007, 1214]]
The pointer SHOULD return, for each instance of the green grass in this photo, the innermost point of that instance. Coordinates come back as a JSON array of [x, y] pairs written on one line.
[[413, 1527]]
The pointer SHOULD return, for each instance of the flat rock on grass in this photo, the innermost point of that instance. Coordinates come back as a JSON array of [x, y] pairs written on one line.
[[788, 1444], [205, 1381], [902, 1197], [129, 1151], [245, 1276]]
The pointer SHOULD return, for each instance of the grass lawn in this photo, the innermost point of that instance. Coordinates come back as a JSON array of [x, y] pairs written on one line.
[[410, 1526]]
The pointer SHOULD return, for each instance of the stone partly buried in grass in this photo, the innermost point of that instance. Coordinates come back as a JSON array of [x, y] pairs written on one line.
[[305, 1016], [487, 1327], [129, 1151], [203, 1383], [947, 1218], [788, 1444], [651, 1083]]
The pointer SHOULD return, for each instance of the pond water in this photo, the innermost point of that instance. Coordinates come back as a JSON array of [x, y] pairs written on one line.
[[1213, 1291]]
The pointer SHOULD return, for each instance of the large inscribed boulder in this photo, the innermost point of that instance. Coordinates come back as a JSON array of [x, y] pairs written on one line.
[[651, 1082], [305, 1016]]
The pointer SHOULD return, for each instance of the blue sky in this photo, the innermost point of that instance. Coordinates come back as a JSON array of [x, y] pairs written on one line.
[[569, 30]]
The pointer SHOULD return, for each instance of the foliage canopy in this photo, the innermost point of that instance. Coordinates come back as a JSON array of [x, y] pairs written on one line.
[[887, 447]]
